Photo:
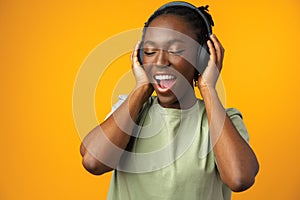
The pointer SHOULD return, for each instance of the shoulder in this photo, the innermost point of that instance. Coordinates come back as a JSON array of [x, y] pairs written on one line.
[[233, 112], [236, 118], [123, 97]]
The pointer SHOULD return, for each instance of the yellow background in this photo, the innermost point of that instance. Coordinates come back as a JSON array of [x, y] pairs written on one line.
[[43, 44]]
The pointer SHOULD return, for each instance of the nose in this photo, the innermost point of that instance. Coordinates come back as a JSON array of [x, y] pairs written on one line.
[[162, 58]]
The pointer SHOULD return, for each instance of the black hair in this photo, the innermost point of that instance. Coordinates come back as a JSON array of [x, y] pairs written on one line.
[[190, 16]]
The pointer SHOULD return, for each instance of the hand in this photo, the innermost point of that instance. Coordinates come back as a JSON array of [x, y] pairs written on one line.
[[208, 79], [139, 73]]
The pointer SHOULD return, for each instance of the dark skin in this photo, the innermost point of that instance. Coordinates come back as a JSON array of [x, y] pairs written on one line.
[[236, 161], [167, 51]]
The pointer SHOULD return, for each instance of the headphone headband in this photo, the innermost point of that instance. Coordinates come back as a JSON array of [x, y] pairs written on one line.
[[188, 5]]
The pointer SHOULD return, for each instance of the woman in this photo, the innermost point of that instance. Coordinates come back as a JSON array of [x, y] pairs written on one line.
[[173, 145]]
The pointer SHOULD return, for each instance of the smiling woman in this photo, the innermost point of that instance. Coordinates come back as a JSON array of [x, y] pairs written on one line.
[[173, 145], [168, 42]]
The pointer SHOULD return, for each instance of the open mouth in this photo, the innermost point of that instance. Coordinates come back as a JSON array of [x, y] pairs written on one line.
[[164, 81]]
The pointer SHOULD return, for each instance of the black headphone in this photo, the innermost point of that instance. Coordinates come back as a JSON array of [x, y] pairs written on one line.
[[203, 51]]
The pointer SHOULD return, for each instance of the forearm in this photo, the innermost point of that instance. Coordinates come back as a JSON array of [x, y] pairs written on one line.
[[237, 163], [103, 146]]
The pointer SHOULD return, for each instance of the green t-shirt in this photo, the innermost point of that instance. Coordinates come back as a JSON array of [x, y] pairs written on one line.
[[171, 157]]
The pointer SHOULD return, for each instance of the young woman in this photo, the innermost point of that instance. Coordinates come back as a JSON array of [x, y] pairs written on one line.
[[173, 145]]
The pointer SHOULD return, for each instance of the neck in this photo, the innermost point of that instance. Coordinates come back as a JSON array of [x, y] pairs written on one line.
[[185, 102]]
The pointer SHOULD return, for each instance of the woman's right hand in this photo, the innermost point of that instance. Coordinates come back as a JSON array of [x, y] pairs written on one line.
[[102, 153], [138, 71]]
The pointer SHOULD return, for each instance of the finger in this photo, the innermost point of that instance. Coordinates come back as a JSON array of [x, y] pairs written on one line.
[[218, 46], [216, 40], [212, 51], [135, 53]]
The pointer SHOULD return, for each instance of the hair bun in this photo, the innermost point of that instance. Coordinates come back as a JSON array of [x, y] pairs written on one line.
[[204, 10]]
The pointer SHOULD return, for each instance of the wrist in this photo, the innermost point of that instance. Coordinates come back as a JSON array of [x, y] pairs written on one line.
[[207, 91], [143, 92]]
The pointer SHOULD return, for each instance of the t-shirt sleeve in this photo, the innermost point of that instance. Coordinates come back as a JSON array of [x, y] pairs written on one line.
[[237, 119], [121, 99]]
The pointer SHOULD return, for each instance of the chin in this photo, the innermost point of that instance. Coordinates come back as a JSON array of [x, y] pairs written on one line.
[[168, 101]]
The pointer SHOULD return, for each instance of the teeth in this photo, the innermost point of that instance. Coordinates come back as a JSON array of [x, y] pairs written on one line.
[[164, 77]]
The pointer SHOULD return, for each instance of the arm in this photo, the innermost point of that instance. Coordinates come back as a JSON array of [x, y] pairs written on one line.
[[237, 163], [102, 148]]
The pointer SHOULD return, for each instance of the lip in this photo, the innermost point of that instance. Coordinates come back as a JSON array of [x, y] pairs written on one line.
[[164, 81]]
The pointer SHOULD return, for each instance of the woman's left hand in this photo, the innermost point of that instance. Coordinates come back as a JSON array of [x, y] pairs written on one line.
[[208, 79]]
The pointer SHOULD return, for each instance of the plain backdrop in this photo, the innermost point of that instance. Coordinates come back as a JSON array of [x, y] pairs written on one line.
[[44, 43]]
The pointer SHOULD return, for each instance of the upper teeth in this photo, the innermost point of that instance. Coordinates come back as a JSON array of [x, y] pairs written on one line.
[[164, 77]]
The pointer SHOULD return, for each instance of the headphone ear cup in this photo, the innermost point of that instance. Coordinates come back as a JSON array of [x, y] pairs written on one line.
[[140, 54], [202, 58]]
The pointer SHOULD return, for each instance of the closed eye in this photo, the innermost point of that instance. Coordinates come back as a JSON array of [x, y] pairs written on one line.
[[149, 52], [177, 52]]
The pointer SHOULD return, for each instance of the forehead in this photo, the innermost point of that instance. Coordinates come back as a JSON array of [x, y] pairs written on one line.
[[166, 28]]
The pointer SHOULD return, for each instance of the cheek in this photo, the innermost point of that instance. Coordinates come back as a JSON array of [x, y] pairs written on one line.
[[191, 57], [188, 58], [184, 67], [148, 68], [148, 60], [183, 62], [189, 73]]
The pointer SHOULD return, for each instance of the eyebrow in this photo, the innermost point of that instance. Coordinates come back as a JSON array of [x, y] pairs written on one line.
[[150, 42]]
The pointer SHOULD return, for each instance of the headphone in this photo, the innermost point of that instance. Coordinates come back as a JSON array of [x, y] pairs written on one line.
[[203, 50]]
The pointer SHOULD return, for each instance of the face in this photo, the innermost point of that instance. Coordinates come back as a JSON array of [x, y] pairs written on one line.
[[169, 56]]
